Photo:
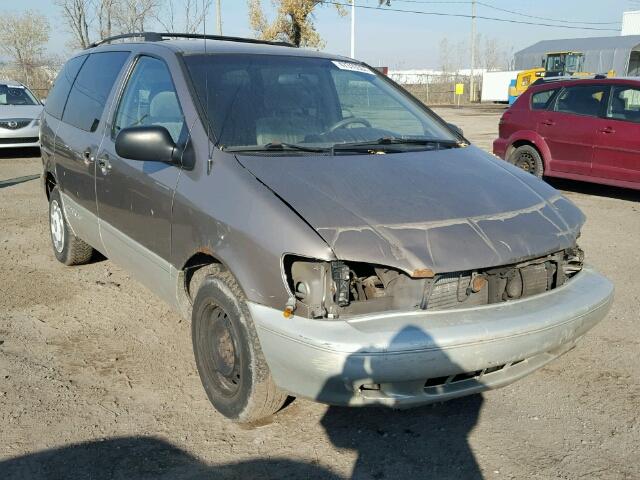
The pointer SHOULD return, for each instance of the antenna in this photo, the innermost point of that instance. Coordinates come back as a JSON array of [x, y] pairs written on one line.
[[206, 95]]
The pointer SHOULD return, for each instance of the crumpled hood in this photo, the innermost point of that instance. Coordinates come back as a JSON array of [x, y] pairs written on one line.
[[20, 111], [447, 210]]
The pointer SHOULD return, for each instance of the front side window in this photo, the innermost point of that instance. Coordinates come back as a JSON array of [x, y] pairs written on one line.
[[150, 99], [541, 100], [624, 104], [259, 100], [581, 100], [91, 89]]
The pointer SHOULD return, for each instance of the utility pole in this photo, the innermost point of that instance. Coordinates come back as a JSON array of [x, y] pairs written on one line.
[[473, 51], [219, 17], [353, 28]]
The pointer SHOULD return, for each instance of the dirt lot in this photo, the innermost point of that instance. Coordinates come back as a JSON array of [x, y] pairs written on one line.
[[97, 378]]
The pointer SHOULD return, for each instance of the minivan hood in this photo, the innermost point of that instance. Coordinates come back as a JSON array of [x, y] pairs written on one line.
[[446, 210], [20, 111]]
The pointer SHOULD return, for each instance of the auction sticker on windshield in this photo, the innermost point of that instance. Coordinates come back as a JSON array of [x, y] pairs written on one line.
[[354, 67]]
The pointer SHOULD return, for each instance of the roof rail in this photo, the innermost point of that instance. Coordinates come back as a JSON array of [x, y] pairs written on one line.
[[157, 37], [541, 80]]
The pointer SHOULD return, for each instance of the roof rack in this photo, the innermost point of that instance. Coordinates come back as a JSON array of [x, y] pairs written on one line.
[[541, 80], [158, 37]]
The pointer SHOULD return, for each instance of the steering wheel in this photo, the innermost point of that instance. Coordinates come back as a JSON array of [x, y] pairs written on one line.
[[348, 121]]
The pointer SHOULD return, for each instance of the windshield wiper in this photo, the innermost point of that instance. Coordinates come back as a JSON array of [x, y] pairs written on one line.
[[397, 141], [277, 146]]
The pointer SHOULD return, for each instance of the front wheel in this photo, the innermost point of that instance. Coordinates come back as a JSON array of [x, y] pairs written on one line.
[[227, 351], [528, 159]]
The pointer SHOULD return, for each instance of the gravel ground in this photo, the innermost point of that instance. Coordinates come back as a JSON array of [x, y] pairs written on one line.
[[97, 378]]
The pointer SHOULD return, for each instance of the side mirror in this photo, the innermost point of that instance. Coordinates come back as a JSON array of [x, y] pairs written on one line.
[[148, 143], [456, 129]]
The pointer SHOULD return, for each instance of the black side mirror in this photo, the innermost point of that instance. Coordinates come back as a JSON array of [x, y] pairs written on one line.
[[148, 143], [456, 129]]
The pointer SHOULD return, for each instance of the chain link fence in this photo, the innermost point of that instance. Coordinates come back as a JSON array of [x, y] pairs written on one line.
[[439, 88]]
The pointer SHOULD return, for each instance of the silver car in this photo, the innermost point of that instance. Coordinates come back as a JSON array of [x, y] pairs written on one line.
[[20, 113], [327, 235]]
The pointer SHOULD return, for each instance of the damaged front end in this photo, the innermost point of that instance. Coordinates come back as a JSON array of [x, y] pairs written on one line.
[[321, 289]]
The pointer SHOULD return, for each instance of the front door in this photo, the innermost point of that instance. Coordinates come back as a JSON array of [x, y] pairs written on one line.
[[617, 143], [569, 128], [135, 198]]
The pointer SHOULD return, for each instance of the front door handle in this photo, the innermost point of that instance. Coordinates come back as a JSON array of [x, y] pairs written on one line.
[[550, 123], [607, 130], [87, 157], [104, 164]]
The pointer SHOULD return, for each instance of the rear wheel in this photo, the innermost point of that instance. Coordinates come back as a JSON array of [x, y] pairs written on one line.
[[230, 362], [528, 159], [67, 248]]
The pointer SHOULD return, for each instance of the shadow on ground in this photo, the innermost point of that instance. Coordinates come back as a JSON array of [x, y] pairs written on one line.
[[32, 152], [594, 189], [15, 181], [430, 442], [425, 443]]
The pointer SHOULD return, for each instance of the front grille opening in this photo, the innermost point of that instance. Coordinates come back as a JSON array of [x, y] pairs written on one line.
[[473, 375]]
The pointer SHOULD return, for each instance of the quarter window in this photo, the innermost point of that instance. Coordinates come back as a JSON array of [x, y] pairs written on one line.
[[62, 86], [541, 100], [91, 89], [150, 99], [582, 100], [624, 104]]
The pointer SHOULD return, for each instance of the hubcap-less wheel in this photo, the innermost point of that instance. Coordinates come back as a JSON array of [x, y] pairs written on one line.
[[226, 361], [526, 162], [57, 226]]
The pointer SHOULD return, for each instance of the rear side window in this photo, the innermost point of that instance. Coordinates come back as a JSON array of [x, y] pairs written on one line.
[[91, 89], [582, 100], [542, 100], [60, 91], [624, 104]]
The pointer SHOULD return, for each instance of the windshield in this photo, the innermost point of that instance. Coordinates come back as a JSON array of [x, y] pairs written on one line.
[[16, 95], [266, 100]]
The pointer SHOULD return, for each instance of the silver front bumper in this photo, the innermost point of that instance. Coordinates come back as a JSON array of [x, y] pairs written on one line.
[[20, 138], [418, 357]]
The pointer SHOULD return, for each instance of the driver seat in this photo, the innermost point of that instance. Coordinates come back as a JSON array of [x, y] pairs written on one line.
[[290, 119]]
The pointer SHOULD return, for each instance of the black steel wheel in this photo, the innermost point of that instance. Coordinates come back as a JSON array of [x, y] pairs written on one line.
[[232, 367], [528, 159]]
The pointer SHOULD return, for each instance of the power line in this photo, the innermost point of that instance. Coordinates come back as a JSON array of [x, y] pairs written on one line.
[[513, 12], [544, 18], [461, 15]]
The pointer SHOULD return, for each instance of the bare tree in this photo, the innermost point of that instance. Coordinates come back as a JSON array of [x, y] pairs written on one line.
[[445, 56], [195, 13], [75, 14], [133, 15], [22, 38], [106, 12], [293, 22]]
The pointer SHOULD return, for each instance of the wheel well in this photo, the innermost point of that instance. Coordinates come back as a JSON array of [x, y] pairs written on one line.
[[49, 184], [196, 262], [185, 297], [520, 143]]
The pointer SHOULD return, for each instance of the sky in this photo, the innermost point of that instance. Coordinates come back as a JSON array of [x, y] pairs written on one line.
[[396, 39]]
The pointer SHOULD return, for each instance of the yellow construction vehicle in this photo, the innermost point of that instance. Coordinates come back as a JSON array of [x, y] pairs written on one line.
[[554, 64]]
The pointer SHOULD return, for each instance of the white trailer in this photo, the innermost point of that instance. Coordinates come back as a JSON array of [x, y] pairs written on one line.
[[495, 86]]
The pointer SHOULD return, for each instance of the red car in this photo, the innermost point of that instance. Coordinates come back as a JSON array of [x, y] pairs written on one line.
[[578, 129]]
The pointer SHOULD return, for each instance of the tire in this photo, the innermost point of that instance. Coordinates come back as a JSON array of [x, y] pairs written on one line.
[[528, 159], [231, 365], [67, 248]]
